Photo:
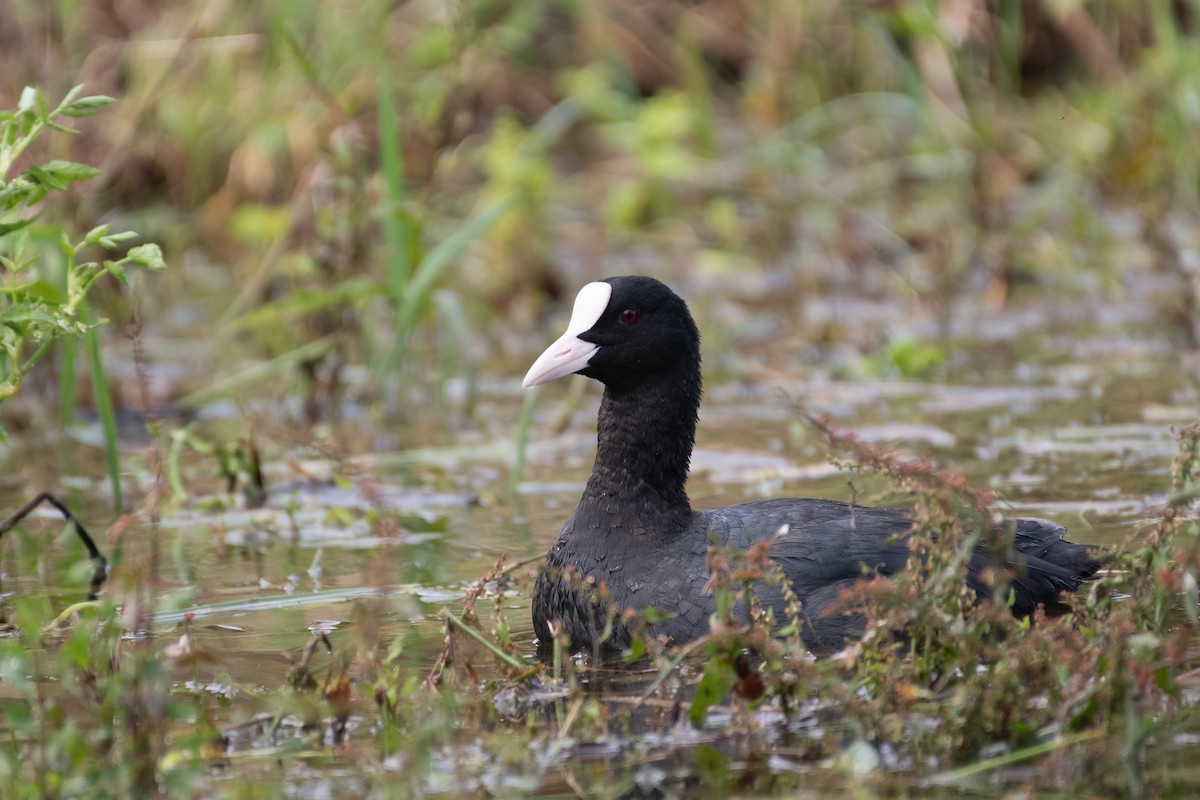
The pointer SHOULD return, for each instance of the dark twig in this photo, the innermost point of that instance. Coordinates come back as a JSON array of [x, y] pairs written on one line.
[[100, 571]]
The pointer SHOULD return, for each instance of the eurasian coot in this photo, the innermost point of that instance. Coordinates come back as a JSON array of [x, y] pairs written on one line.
[[634, 528]]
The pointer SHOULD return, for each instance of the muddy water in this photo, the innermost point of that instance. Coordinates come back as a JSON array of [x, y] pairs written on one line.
[[1066, 412]]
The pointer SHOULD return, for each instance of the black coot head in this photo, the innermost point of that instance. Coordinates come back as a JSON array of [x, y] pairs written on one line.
[[623, 331]]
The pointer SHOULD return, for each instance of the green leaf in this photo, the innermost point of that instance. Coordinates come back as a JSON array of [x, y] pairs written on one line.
[[1164, 678], [714, 767], [1183, 496], [16, 193], [48, 291], [655, 615], [713, 687], [395, 650], [12, 247], [52, 125], [437, 260], [18, 714], [86, 106], [9, 227], [69, 171], [147, 255], [74, 651], [724, 601], [47, 179], [95, 233], [914, 358], [117, 271]]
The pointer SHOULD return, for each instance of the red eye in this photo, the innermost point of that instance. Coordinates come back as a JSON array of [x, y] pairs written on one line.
[[629, 316]]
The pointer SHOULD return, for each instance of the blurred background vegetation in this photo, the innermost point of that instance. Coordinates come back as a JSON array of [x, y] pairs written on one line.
[[377, 212], [331, 185]]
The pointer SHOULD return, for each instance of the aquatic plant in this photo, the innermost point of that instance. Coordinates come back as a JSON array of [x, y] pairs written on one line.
[[43, 294]]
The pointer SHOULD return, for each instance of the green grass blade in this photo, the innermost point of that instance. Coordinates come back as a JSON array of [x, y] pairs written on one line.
[[300, 302], [276, 366], [523, 426], [432, 266], [508, 659], [1016, 757], [104, 407]]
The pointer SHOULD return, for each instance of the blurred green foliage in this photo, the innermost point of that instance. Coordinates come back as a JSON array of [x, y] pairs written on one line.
[[45, 284], [377, 184], [950, 149], [38, 305]]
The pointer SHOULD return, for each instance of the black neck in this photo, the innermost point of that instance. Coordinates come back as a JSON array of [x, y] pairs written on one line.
[[645, 435]]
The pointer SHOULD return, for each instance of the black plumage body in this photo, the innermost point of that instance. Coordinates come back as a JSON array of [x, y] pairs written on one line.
[[634, 529]]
